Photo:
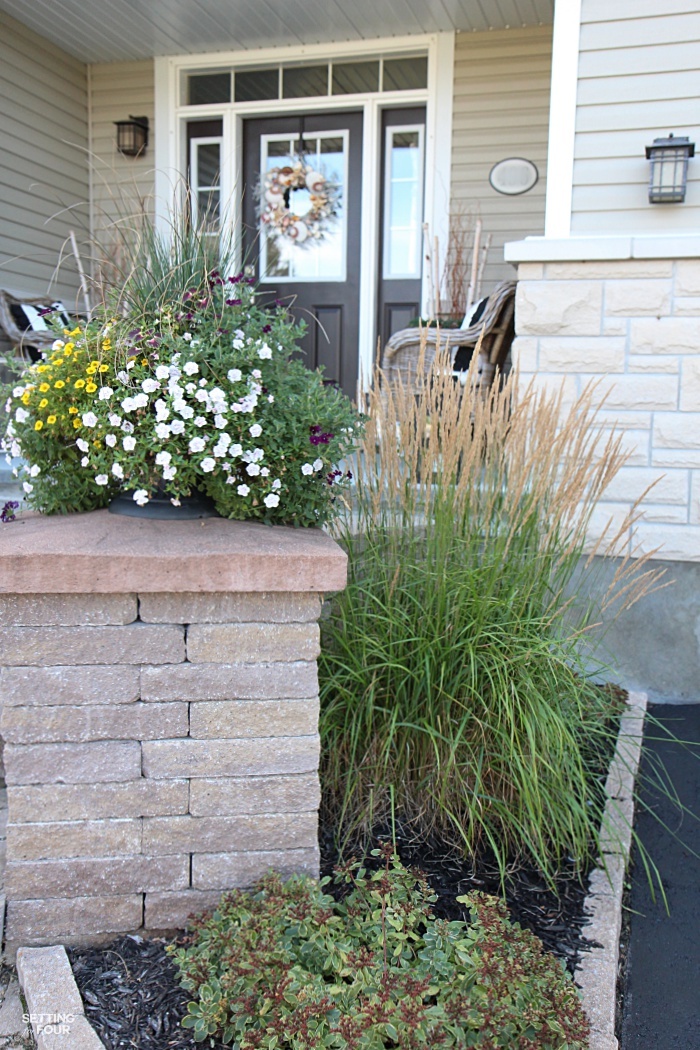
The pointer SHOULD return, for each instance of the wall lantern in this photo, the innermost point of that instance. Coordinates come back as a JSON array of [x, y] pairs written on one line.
[[132, 136], [669, 169]]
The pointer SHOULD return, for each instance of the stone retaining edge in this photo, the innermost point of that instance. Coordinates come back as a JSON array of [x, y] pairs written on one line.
[[55, 1007], [596, 974]]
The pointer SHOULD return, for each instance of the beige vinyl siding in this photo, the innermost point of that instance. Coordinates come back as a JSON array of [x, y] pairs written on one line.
[[121, 185], [638, 79], [44, 181], [501, 109]]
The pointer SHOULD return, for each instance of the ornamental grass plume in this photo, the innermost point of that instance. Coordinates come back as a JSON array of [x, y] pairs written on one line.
[[455, 698]]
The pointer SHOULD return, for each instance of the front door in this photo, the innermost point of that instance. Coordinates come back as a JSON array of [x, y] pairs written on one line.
[[319, 278]]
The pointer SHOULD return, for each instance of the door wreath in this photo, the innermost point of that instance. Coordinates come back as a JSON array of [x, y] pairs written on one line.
[[276, 206]]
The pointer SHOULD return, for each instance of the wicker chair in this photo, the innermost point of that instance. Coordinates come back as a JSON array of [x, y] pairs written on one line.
[[26, 343], [495, 328]]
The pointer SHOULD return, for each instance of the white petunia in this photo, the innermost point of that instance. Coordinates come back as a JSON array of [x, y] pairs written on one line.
[[255, 431], [234, 375], [175, 390], [149, 385], [84, 461], [190, 388], [18, 391], [123, 377], [57, 344], [89, 419], [162, 431], [82, 445], [169, 473], [208, 464], [129, 444], [253, 469], [128, 404], [242, 490], [256, 373], [27, 487], [307, 469], [202, 395], [176, 502], [140, 400], [163, 372], [115, 420], [127, 427], [163, 459], [102, 479], [265, 353], [34, 470], [162, 410], [187, 412], [141, 497], [197, 444], [21, 415], [105, 393], [190, 368], [235, 450], [318, 464], [118, 471], [110, 440], [130, 364], [272, 500], [200, 421], [277, 484], [265, 472], [271, 399], [220, 422], [187, 336], [177, 426]]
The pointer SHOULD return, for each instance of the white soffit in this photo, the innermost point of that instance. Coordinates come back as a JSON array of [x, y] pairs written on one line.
[[126, 30]]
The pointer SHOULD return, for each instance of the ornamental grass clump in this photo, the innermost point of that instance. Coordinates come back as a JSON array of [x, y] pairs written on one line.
[[288, 967], [202, 394], [455, 702]]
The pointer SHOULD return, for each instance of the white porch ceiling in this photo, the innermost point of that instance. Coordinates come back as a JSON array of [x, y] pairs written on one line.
[[123, 30]]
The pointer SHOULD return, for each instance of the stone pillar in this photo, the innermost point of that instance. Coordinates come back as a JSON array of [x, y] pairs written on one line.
[[159, 711]]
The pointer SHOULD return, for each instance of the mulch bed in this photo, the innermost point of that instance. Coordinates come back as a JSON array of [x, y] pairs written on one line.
[[130, 988]]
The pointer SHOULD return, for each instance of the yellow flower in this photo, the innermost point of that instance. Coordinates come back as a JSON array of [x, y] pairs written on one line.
[[104, 368], [90, 370], [67, 353], [73, 411], [79, 384], [59, 384], [38, 425], [44, 388], [77, 424], [25, 398], [57, 360], [90, 388], [97, 444], [94, 364], [42, 368], [144, 361], [76, 331], [68, 348], [51, 420], [43, 403]]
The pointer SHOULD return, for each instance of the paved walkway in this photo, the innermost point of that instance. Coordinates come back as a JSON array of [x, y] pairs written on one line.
[[662, 1002], [14, 1034]]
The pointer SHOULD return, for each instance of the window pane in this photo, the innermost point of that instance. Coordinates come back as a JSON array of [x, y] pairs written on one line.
[[252, 85], [208, 208], [208, 163], [350, 78], [303, 81], [403, 203], [405, 74], [207, 89]]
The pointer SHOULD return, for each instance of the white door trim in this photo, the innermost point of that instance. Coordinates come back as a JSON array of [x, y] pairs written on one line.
[[170, 143], [562, 118]]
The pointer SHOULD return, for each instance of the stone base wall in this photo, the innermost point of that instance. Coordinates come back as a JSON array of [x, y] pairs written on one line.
[[635, 322], [161, 741]]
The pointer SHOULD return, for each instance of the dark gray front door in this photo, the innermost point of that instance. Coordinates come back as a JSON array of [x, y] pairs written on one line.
[[320, 280]]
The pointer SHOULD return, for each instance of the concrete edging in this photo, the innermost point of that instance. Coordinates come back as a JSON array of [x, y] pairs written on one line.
[[55, 1007], [596, 974]]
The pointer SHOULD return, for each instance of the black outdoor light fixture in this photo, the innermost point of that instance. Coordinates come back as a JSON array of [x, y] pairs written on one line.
[[132, 136], [669, 169]]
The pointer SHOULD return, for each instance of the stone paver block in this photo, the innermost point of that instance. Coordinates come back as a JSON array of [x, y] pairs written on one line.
[[221, 758], [11, 1012], [677, 430], [67, 610], [639, 392], [687, 277], [229, 607], [630, 482], [92, 763], [665, 335], [252, 643], [25, 725], [636, 297], [134, 644], [653, 364], [54, 1001], [223, 871], [576, 354], [262, 831], [616, 835], [228, 796], [50, 686], [35, 921], [564, 308], [94, 877], [671, 542], [172, 911], [220, 719], [690, 384], [136, 798], [686, 305], [84, 838], [230, 682]]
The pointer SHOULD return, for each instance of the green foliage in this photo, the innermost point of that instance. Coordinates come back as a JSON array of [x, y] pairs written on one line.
[[286, 967], [454, 698], [204, 393]]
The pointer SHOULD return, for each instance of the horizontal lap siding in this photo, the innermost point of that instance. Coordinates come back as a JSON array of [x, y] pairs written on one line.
[[120, 184], [501, 109], [44, 163], [638, 79]]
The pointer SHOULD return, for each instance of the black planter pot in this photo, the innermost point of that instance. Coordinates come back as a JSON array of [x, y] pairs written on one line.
[[160, 507]]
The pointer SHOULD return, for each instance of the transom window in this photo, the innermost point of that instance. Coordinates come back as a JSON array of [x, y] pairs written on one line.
[[367, 76]]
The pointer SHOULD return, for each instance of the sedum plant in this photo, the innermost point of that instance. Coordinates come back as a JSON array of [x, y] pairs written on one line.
[[202, 394], [288, 967]]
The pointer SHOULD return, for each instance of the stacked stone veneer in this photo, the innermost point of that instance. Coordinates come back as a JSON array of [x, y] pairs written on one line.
[[635, 322], [161, 746]]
